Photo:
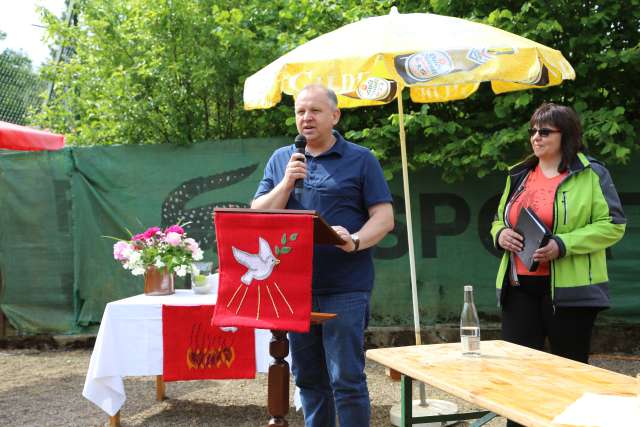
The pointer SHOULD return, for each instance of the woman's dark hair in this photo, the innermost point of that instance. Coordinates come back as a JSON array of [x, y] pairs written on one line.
[[567, 121]]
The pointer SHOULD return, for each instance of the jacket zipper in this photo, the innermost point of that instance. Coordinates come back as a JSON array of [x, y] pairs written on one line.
[[589, 256], [552, 264], [554, 228], [553, 287]]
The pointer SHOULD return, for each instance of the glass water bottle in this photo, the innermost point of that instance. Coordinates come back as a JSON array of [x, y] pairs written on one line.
[[469, 325]]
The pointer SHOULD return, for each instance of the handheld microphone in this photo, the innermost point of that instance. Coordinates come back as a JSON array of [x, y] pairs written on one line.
[[301, 143]]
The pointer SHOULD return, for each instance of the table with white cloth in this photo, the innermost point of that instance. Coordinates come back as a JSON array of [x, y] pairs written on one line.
[[135, 324]]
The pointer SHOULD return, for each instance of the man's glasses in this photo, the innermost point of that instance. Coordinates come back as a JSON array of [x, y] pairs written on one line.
[[543, 132]]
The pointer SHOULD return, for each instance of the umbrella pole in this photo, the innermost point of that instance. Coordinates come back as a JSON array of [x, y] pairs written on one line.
[[412, 259]]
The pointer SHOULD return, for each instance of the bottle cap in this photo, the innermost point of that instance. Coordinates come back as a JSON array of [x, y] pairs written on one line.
[[468, 288]]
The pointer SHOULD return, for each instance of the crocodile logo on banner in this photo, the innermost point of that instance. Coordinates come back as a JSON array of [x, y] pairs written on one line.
[[201, 228]]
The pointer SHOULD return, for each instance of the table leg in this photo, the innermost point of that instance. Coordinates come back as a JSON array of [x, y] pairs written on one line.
[[114, 421], [406, 410], [3, 323], [406, 401], [278, 380], [3, 319], [160, 388], [485, 419]]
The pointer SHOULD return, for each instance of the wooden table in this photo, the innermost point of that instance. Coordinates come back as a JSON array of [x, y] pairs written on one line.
[[527, 386]]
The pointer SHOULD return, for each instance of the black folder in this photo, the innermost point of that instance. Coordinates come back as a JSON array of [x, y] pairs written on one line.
[[535, 234]]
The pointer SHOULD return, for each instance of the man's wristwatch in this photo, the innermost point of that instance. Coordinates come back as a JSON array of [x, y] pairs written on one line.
[[356, 242]]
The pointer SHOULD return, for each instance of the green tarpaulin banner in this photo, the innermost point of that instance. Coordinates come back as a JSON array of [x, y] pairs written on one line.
[[57, 265]]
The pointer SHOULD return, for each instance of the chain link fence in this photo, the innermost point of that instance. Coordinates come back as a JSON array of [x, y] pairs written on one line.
[[21, 88]]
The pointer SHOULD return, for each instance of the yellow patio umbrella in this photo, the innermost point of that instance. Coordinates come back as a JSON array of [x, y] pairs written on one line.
[[439, 58]]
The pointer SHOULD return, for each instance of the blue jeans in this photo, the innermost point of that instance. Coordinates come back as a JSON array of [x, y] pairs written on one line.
[[328, 363]]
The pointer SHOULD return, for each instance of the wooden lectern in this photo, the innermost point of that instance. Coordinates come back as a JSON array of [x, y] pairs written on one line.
[[278, 377]]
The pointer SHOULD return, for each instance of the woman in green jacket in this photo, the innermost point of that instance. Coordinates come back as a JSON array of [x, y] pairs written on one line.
[[575, 197]]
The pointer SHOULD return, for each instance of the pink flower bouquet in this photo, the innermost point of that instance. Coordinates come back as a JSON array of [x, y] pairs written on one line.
[[170, 249]]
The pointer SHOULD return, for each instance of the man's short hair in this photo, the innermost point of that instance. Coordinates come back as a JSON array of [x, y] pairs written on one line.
[[331, 95]]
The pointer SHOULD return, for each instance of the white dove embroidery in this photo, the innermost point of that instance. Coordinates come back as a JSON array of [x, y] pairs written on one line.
[[259, 266]]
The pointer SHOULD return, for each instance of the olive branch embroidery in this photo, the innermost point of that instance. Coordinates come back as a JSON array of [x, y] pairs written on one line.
[[285, 249]]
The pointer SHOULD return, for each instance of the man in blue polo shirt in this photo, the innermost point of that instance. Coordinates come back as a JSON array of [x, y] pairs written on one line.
[[344, 183]]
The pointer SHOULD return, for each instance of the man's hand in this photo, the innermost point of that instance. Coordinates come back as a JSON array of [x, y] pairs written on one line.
[[380, 222], [296, 169], [344, 234], [278, 197]]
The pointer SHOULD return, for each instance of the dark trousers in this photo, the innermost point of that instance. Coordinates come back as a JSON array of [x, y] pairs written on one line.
[[528, 318]]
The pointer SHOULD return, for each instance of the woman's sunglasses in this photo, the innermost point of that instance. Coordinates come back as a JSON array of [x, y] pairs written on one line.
[[543, 132]]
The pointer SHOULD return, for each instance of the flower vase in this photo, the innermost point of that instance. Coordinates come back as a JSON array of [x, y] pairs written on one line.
[[158, 282]]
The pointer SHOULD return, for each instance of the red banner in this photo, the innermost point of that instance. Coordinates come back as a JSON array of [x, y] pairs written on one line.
[[193, 349], [265, 263]]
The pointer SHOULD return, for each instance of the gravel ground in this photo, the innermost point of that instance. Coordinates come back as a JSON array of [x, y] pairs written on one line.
[[44, 388]]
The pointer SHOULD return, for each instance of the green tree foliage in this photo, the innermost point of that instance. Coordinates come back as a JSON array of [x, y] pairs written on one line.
[[484, 133], [173, 71], [20, 86]]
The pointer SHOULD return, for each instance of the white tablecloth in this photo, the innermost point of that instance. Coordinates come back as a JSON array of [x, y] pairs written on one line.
[[601, 410], [129, 343]]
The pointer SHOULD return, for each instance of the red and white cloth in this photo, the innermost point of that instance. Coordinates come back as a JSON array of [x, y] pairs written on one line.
[[130, 343]]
